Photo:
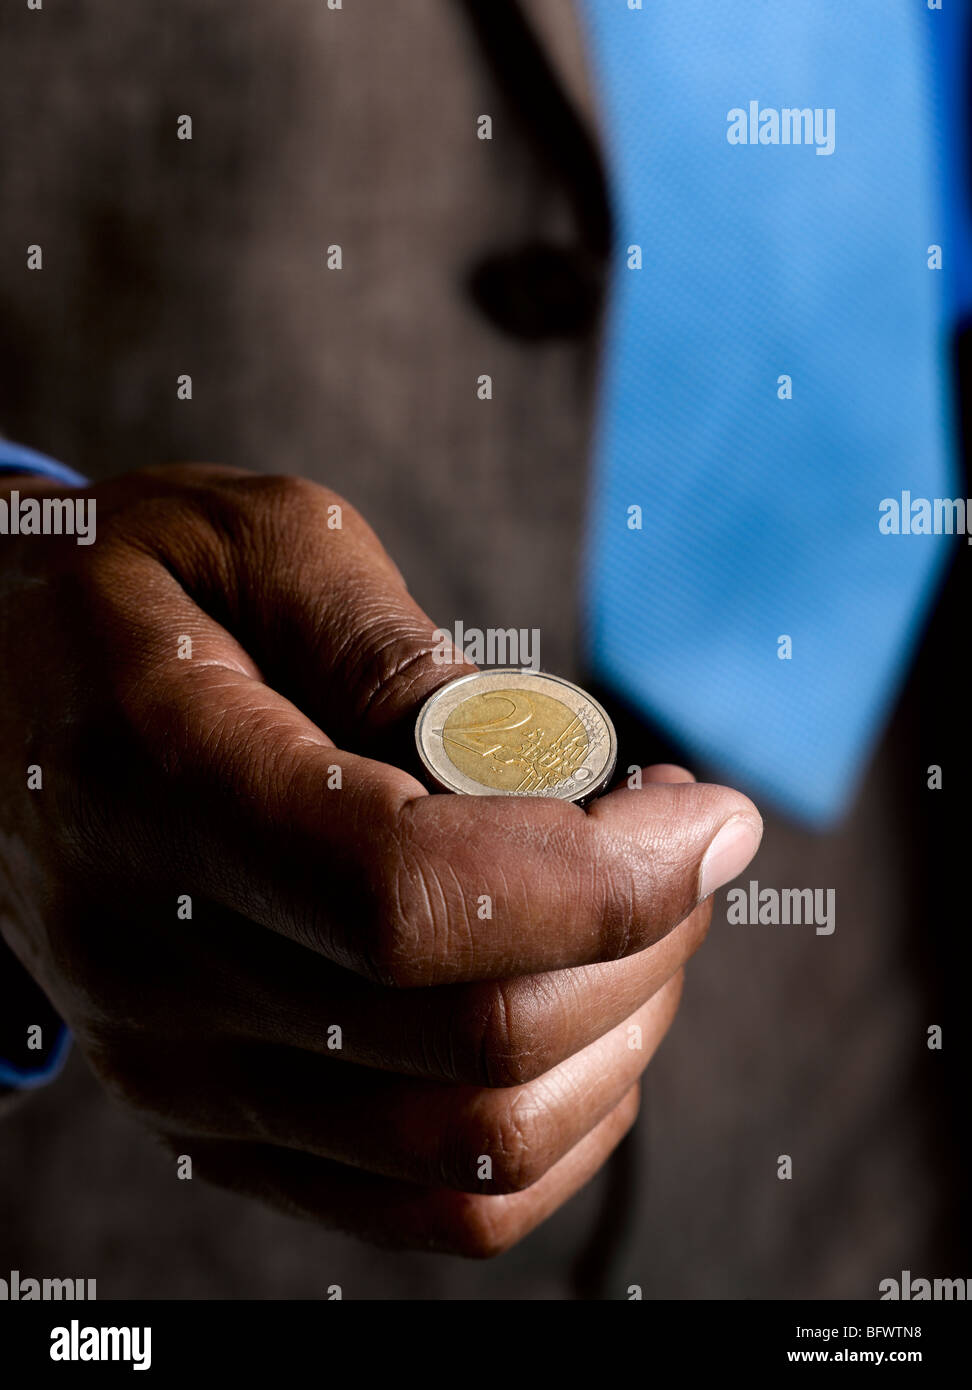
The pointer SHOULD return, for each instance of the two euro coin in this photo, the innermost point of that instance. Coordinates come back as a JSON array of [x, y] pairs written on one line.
[[511, 732]]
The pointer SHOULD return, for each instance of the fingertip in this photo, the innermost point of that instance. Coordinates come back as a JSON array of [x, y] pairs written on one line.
[[666, 773], [731, 849], [737, 803]]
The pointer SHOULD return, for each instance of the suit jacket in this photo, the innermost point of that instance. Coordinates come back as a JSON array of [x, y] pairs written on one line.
[[357, 127]]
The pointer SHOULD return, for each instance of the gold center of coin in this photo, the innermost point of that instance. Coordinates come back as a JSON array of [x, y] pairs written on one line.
[[515, 740]]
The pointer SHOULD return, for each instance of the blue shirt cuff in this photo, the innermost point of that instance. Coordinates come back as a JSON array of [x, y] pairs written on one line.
[[17, 458], [27, 1078]]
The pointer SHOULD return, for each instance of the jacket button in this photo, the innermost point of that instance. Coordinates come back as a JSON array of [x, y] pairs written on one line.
[[540, 290]]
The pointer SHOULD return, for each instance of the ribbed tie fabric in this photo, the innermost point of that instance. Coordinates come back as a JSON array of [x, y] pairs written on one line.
[[759, 262]]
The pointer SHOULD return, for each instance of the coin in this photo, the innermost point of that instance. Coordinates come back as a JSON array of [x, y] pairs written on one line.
[[512, 732]]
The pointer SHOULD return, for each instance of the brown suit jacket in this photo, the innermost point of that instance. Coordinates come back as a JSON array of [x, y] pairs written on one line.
[[357, 127]]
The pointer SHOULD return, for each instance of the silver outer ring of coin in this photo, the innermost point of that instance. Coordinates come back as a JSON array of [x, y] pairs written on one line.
[[591, 778]]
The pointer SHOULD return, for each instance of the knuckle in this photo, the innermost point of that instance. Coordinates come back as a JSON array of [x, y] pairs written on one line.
[[251, 513], [421, 930], [621, 922], [504, 1046], [644, 897], [481, 1228], [388, 657], [399, 922], [507, 1132], [285, 492]]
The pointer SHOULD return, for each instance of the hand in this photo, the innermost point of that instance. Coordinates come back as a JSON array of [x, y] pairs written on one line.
[[249, 783]]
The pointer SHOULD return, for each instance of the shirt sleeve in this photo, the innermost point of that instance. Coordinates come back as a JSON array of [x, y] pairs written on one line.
[[17, 458]]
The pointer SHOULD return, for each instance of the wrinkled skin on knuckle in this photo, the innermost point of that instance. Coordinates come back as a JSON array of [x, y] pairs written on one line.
[[510, 1032], [388, 945], [176, 526], [521, 1157], [388, 657], [121, 670], [356, 624], [505, 1127], [216, 531], [260, 518], [424, 928], [620, 893], [645, 892]]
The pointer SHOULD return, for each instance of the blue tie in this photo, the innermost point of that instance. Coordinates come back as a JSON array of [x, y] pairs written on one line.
[[774, 370]]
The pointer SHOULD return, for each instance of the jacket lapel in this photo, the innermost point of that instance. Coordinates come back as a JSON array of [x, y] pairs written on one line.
[[559, 31]]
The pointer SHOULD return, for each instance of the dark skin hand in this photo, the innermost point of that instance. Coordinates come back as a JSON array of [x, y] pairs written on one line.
[[317, 906]]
